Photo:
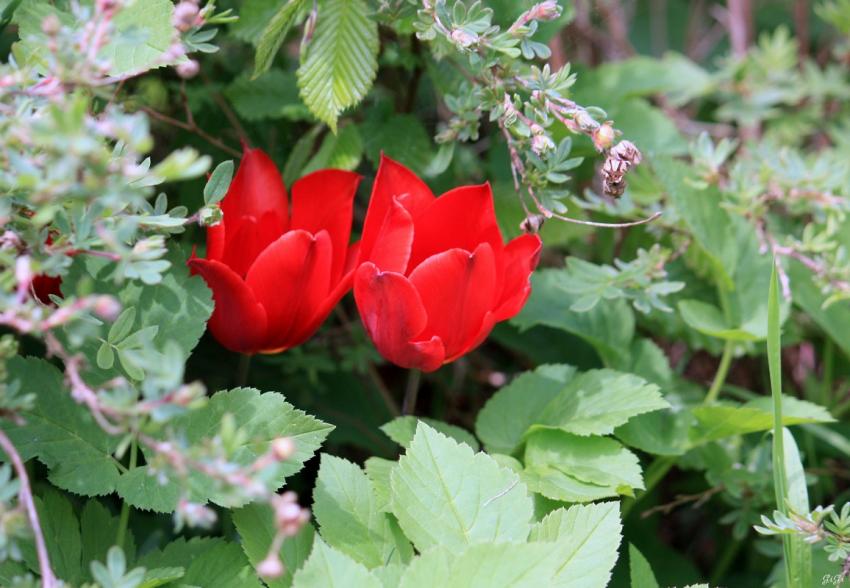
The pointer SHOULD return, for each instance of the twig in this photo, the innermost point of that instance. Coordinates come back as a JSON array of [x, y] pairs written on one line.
[[48, 579], [192, 128]]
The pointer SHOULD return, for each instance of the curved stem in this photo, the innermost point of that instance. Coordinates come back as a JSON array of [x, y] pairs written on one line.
[[411, 392], [722, 371], [654, 474], [124, 519], [48, 579]]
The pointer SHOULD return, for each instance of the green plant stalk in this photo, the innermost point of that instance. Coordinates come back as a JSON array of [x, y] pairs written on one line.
[[826, 378], [722, 372], [411, 392], [794, 562], [124, 518], [243, 370]]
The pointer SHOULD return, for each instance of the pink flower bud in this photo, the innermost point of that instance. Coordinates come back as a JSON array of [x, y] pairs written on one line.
[[464, 38], [548, 10], [51, 24], [185, 16], [603, 137], [283, 448], [271, 567], [106, 307], [188, 69]]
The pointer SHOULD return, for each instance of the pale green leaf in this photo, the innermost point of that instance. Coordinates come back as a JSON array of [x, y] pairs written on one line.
[[208, 561], [445, 494], [402, 429], [329, 568], [379, 470], [595, 402], [491, 565], [350, 518], [585, 539], [216, 187], [341, 60], [570, 468]]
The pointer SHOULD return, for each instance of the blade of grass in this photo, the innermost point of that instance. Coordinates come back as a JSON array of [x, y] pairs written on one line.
[[797, 554]]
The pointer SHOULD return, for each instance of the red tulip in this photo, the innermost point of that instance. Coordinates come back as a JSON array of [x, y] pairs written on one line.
[[434, 274], [43, 286], [276, 273]]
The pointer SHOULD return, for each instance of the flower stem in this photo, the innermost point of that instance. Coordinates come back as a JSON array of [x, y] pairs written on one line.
[[722, 371], [243, 370], [411, 392], [48, 580], [124, 519]]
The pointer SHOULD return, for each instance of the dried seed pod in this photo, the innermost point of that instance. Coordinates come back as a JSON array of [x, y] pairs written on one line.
[[532, 224], [620, 160]]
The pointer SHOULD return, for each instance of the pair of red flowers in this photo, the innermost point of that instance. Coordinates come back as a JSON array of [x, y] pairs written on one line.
[[431, 276]]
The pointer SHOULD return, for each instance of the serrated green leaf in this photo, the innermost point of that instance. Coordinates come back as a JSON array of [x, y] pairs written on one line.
[[208, 561], [216, 187], [595, 402], [99, 529], [640, 571], [585, 539], [491, 565], [105, 356], [256, 527], [122, 325], [445, 494], [61, 531], [349, 516], [379, 471], [61, 433], [399, 136], [260, 417], [141, 489], [161, 576], [509, 413], [274, 34], [570, 468], [341, 60], [329, 568], [402, 429]]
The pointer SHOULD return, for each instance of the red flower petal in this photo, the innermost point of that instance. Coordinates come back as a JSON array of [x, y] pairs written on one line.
[[520, 259], [461, 218], [256, 189], [215, 241], [393, 181], [394, 240], [457, 290], [393, 315], [238, 322], [291, 279], [249, 239], [324, 200]]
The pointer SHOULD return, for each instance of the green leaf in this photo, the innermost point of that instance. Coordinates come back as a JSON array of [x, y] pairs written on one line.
[[350, 519], [208, 561], [570, 468], [261, 418], [585, 539], [99, 529], [61, 532], [161, 577], [399, 136], [273, 95], [708, 319], [663, 432], [274, 34], [61, 433], [445, 494], [256, 527], [143, 33], [724, 420], [122, 325], [329, 568], [834, 319], [254, 16], [609, 327], [379, 471], [640, 570], [491, 565], [510, 412], [341, 151], [216, 187], [141, 488], [402, 429], [105, 356], [341, 60], [595, 402], [797, 496]]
